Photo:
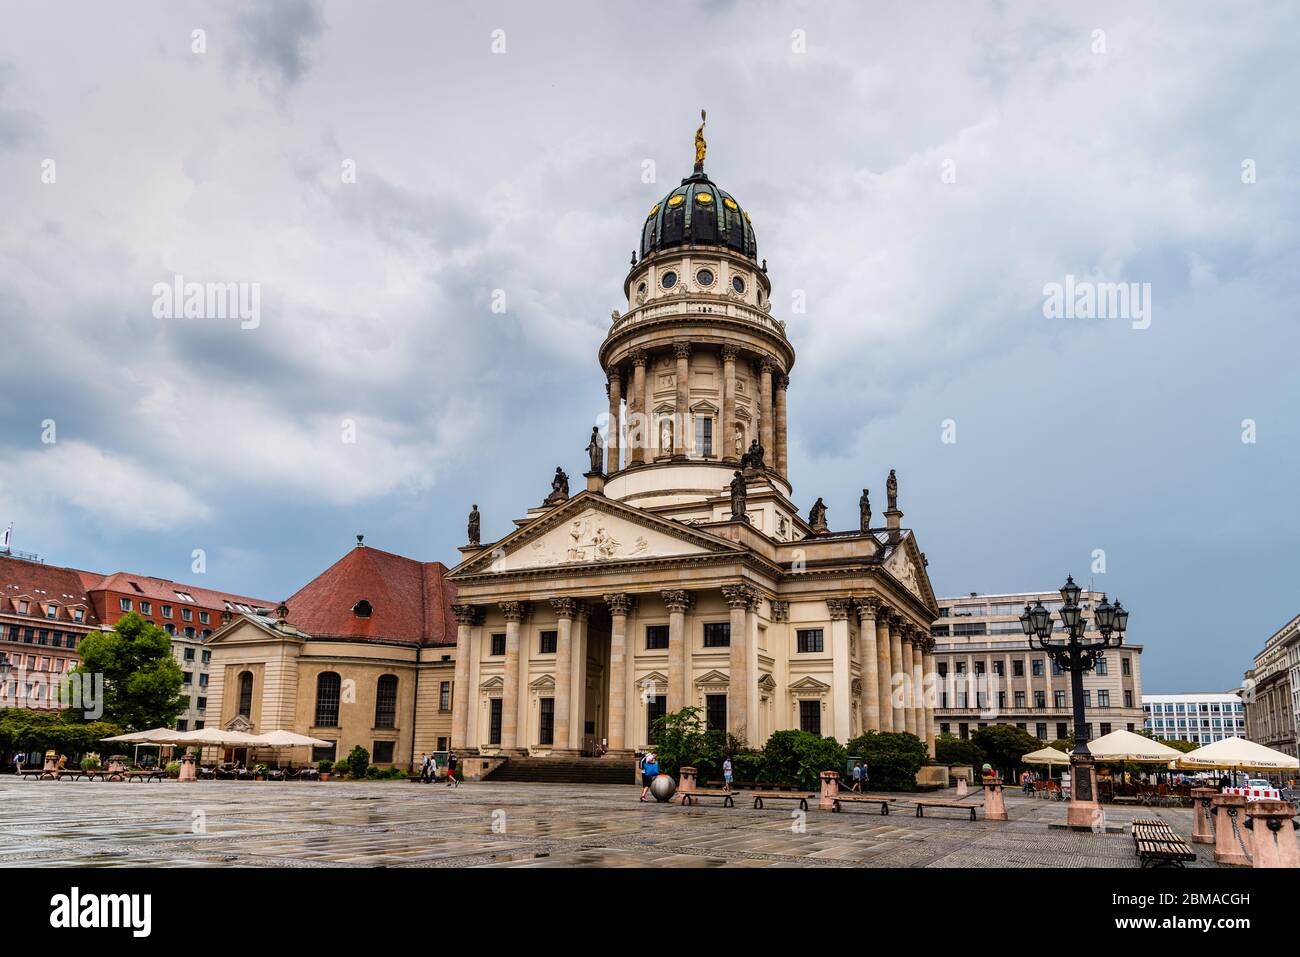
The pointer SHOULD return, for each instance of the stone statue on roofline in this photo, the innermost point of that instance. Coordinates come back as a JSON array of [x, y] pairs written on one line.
[[817, 516], [595, 451], [891, 490], [864, 510], [739, 496], [559, 488], [474, 525]]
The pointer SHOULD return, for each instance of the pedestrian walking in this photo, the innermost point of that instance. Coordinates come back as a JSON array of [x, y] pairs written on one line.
[[424, 768], [451, 770], [649, 771], [857, 779], [433, 768], [865, 770], [726, 773]]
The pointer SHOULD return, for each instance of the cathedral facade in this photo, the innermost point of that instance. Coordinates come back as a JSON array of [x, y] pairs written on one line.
[[683, 574]]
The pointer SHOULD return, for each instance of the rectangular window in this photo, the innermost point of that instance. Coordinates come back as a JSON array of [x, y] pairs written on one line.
[[715, 712], [1060, 729], [382, 752], [1020, 699], [78, 614], [203, 681], [1103, 698], [189, 654], [1105, 727], [1125, 666], [1040, 731], [204, 617], [810, 717], [656, 707], [1103, 668], [187, 614], [444, 696], [1000, 669], [1038, 667], [319, 752], [146, 608], [810, 641], [201, 704], [547, 641], [1087, 697], [207, 657], [186, 677], [963, 730], [386, 701], [546, 721], [166, 611], [1058, 700], [124, 604], [442, 744], [656, 637], [498, 645], [1128, 699], [943, 727], [1018, 668], [494, 720], [704, 435], [182, 725], [1040, 699], [717, 634]]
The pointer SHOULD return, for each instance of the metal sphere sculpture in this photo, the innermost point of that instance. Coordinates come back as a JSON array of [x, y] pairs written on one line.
[[663, 787]]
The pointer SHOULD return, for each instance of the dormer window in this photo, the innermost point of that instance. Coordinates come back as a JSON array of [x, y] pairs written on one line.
[[362, 609]]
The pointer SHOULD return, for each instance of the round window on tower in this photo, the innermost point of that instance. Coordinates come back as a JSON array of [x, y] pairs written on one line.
[[704, 277], [668, 280], [738, 284]]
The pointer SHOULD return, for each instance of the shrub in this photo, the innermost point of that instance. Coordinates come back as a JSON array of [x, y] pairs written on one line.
[[1004, 745], [173, 769], [799, 757], [893, 758], [949, 749], [90, 762], [358, 762], [325, 766]]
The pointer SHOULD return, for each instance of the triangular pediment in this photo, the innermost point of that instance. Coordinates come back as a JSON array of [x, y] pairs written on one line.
[[544, 683], [495, 683], [712, 679], [590, 529], [809, 683], [907, 566]]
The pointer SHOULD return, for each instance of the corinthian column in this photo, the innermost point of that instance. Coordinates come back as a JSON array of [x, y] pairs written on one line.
[[899, 667], [909, 706], [677, 602], [867, 610], [884, 667], [740, 599], [564, 610], [514, 612], [841, 686], [929, 693], [918, 672], [682, 352], [766, 367], [620, 603], [782, 383], [638, 426], [728, 438], [614, 435], [467, 616]]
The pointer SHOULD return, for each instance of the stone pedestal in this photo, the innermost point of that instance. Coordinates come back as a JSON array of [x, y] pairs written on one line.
[[51, 761], [1272, 834], [830, 790], [962, 788], [189, 770], [1231, 839], [595, 482], [686, 783], [1203, 815], [995, 809], [1085, 811]]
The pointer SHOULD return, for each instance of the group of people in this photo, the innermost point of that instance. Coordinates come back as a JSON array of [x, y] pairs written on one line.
[[1028, 780], [429, 769]]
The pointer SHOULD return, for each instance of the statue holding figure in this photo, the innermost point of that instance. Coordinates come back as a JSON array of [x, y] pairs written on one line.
[[595, 450], [891, 490], [739, 495], [753, 459], [864, 510], [474, 525], [559, 488], [817, 515]]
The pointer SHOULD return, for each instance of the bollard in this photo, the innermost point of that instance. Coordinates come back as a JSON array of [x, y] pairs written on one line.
[[962, 789], [1231, 839], [189, 770], [687, 783], [1272, 830], [51, 761], [830, 790], [995, 809], [1203, 815]]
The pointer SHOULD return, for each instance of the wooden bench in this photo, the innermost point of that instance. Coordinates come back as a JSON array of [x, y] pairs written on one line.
[[1161, 853], [853, 797], [923, 803], [761, 796], [40, 774], [728, 797]]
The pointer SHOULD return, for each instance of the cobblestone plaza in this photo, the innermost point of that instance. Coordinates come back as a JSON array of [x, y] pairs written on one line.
[[390, 824]]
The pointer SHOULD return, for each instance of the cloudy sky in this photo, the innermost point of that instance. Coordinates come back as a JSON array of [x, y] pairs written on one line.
[[916, 173]]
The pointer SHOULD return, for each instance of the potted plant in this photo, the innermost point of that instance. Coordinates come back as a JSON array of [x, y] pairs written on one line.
[[259, 772], [326, 767], [173, 769], [90, 762]]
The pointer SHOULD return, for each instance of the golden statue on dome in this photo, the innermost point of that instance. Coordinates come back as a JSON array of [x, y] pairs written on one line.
[[700, 145]]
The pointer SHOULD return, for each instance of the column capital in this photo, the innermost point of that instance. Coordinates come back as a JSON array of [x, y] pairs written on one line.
[[637, 357], [839, 608], [767, 364], [780, 609], [870, 607], [515, 610], [730, 353], [740, 595], [781, 380], [467, 614], [894, 620], [620, 602], [564, 607], [614, 374], [677, 600], [682, 350]]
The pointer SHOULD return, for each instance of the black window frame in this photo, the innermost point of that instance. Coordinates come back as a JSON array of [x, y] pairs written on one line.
[[546, 721], [386, 702], [810, 641], [810, 713], [246, 694], [381, 752], [715, 712], [329, 692], [496, 708], [548, 641], [717, 634], [656, 637], [498, 640]]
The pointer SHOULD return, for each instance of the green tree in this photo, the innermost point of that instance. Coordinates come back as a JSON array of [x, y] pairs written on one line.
[[677, 738], [893, 758], [22, 729], [1004, 745], [142, 681], [358, 762], [950, 749], [799, 757]]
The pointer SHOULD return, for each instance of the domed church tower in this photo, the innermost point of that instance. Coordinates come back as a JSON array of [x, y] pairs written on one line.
[[697, 367], [683, 574]]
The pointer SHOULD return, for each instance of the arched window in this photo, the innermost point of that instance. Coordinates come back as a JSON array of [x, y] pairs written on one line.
[[327, 699], [386, 702], [246, 693]]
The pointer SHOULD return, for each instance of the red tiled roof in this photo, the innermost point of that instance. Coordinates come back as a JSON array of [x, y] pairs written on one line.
[[162, 590], [410, 601], [43, 584]]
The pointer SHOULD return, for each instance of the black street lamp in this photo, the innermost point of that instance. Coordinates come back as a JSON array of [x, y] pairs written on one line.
[[1077, 654]]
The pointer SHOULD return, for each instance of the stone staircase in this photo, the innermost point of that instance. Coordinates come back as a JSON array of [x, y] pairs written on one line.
[[565, 771]]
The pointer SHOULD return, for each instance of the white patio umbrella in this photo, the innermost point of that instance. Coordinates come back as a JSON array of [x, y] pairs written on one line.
[[1048, 756], [153, 736], [1237, 754], [1127, 746], [288, 739]]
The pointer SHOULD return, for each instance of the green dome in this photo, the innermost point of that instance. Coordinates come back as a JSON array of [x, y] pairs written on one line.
[[698, 213]]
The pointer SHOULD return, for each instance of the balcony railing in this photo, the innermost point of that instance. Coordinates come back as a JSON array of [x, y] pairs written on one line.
[[701, 305]]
